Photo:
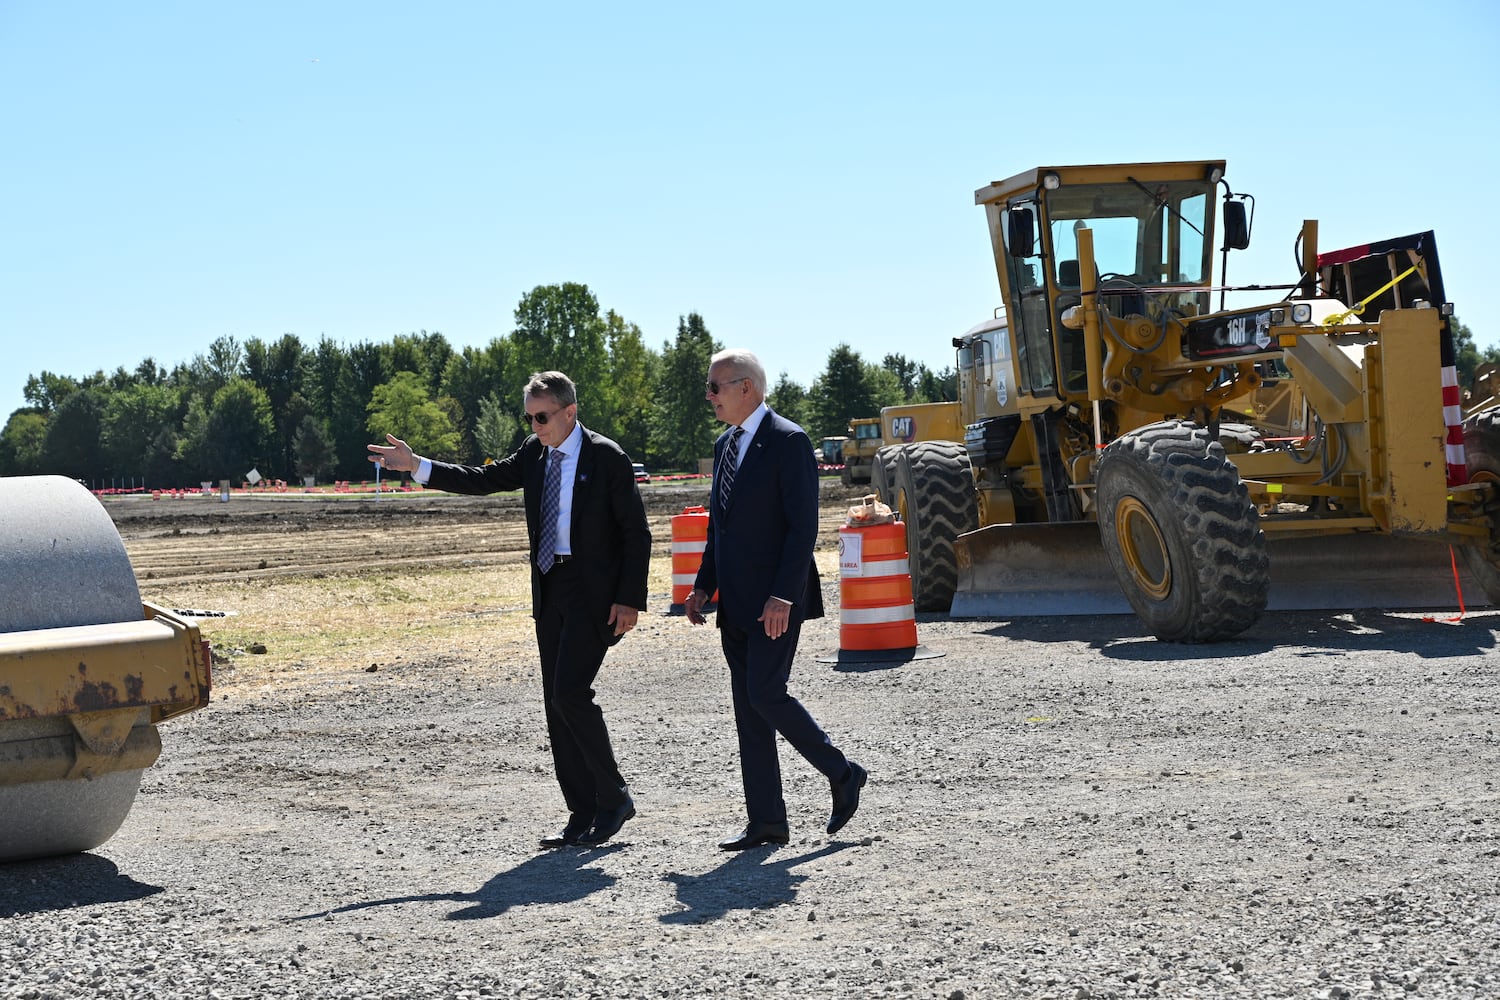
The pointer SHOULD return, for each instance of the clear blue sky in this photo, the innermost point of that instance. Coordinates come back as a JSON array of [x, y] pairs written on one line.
[[800, 174]]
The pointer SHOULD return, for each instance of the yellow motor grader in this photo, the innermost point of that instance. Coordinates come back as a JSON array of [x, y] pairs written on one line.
[[1111, 459], [87, 670]]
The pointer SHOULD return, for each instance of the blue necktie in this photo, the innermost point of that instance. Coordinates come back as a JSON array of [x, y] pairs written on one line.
[[731, 459], [551, 501]]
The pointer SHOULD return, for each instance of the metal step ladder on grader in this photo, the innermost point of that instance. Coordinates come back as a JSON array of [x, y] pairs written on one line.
[[86, 671], [1120, 452]]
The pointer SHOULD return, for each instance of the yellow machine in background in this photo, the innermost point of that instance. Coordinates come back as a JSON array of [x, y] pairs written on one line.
[[1093, 466], [873, 458], [860, 448], [932, 433], [1484, 393]]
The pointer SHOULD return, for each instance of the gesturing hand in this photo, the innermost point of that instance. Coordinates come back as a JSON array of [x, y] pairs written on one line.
[[396, 458]]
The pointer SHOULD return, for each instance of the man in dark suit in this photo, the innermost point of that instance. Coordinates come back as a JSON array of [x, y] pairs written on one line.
[[762, 523], [590, 550]]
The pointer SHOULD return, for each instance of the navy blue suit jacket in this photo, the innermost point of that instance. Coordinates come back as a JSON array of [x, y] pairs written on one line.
[[761, 545]]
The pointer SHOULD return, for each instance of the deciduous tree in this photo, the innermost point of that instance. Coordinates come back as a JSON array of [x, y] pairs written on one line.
[[314, 447], [789, 399], [21, 443], [558, 328], [72, 446], [683, 426], [139, 433], [849, 387], [627, 392], [497, 431], [402, 407]]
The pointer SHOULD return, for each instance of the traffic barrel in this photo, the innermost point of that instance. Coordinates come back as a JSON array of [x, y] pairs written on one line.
[[689, 539], [877, 617]]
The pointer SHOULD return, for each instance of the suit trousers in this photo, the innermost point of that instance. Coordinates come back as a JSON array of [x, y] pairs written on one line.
[[759, 668], [572, 650]]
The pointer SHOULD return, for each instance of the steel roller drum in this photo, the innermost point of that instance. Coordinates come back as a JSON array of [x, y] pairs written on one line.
[[62, 563]]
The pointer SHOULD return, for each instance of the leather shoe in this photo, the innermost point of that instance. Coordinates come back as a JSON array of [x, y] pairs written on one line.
[[608, 823], [846, 797], [578, 824], [756, 834]]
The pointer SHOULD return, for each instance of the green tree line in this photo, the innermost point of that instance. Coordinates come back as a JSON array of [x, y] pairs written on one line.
[[290, 409]]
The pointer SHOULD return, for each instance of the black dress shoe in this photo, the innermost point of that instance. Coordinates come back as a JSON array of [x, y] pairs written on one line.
[[756, 834], [608, 823], [846, 797], [578, 825]]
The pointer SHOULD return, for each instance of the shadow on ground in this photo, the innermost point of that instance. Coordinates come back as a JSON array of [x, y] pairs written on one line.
[[65, 883], [747, 881]]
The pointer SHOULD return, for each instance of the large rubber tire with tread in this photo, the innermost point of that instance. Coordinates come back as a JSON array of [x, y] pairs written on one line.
[[883, 474], [1239, 439], [935, 491], [1180, 531], [1482, 455]]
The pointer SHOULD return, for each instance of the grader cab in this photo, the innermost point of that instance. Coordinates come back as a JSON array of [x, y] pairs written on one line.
[[1117, 461]]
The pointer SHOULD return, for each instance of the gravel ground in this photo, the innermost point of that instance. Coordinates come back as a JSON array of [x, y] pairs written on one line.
[[1059, 808]]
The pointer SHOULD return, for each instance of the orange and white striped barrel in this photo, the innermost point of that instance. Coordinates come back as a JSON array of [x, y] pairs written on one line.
[[875, 602], [689, 539]]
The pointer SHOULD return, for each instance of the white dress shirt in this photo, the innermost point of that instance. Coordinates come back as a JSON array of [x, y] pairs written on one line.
[[570, 449]]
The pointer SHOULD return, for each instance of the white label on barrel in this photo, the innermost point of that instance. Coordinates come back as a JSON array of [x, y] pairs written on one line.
[[851, 554]]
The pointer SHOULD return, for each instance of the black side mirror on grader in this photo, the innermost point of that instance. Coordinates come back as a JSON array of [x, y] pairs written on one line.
[[1022, 236], [1236, 225]]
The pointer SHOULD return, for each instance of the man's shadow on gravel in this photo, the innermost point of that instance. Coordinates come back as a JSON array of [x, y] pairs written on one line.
[[64, 883], [741, 883], [554, 877]]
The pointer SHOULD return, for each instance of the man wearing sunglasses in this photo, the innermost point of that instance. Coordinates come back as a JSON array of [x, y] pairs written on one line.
[[590, 553], [762, 524]]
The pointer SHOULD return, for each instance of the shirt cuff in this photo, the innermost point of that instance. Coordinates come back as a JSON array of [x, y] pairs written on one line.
[[424, 471], [783, 600]]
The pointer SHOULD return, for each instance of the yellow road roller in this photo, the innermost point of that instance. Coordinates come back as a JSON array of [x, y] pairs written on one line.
[[87, 670]]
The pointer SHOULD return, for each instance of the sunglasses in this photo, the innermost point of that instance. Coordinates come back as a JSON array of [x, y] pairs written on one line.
[[539, 418], [714, 387]]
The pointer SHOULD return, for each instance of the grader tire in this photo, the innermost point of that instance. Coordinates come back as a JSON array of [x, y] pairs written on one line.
[[1181, 534], [1239, 439], [64, 565], [883, 475], [1482, 455], [936, 493]]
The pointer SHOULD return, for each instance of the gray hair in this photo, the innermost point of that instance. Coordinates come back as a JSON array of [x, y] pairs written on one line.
[[553, 384], [745, 365]]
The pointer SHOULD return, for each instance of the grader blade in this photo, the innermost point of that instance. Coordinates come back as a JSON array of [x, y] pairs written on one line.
[[1330, 572], [1035, 569], [1023, 570]]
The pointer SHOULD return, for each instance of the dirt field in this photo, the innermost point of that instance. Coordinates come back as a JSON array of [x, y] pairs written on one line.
[[1057, 807]]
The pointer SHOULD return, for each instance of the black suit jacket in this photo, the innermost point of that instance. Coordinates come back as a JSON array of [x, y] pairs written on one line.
[[761, 544], [611, 539]]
